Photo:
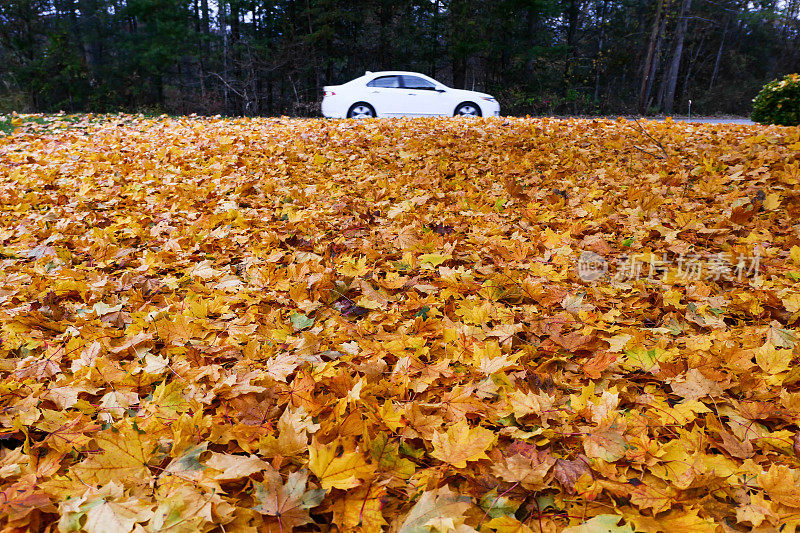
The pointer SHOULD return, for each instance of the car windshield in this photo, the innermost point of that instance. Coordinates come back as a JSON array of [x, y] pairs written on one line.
[[385, 81], [415, 82]]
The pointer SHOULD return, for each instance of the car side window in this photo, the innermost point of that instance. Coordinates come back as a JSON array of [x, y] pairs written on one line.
[[391, 82], [415, 82]]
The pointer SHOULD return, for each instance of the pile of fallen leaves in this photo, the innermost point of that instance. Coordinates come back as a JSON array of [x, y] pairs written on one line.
[[264, 324]]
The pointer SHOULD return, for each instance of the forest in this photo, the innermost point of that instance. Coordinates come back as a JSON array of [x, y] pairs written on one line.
[[262, 58]]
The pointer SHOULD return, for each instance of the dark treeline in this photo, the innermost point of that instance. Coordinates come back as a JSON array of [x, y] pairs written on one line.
[[253, 57]]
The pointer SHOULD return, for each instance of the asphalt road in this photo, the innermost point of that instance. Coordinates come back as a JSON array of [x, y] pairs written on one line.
[[695, 120], [712, 120]]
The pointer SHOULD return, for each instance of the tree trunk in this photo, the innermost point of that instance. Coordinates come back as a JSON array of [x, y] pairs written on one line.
[[719, 55], [199, 23], [435, 39], [687, 80], [236, 60], [204, 48], [384, 17], [650, 60], [571, 14], [599, 61], [572, 22], [459, 64], [70, 10], [677, 54], [90, 30], [223, 28], [313, 44], [458, 59], [204, 22], [656, 61]]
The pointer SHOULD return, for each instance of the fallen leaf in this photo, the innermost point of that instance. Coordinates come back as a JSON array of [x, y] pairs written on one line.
[[288, 503], [441, 509], [462, 443], [343, 471]]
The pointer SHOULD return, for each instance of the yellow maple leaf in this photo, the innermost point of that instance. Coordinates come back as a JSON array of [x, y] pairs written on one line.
[[792, 302], [772, 360], [754, 512], [433, 260], [794, 254], [360, 509], [780, 483], [659, 499], [293, 428], [232, 467], [354, 267], [441, 509], [462, 443], [508, 524], [676, 520], [124, 456], [530, 403], [107, 516], [618, 342], [343, 471], [389, 416], [772, 202]]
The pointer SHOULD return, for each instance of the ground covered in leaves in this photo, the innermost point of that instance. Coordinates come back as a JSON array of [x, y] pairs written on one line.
[[268, 324]]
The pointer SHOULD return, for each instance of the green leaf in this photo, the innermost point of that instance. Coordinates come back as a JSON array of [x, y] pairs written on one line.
[[674, 327], [401, 265], [312, 498], [300, 321], [433, 259], [411, 451], [188, 463], [641, 359], [508, 420], [604, 523], [546, 501], [387, 455], [496, 506]]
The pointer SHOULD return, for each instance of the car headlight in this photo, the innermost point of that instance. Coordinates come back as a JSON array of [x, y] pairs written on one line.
[[488, 98]]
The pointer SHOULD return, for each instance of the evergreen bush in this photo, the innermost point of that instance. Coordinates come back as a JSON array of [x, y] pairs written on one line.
[[778, 102]]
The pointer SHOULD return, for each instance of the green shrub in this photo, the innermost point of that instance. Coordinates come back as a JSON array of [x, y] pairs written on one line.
[[779, 102]]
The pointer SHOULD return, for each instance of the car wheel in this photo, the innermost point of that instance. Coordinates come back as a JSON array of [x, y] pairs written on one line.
[[468, 109], [361, 110]]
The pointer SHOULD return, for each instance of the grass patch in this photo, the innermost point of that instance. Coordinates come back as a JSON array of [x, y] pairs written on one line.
[[41, 123], [5, 126]]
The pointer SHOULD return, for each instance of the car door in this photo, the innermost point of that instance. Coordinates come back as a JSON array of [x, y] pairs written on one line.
[[384, 94], [422, 97]]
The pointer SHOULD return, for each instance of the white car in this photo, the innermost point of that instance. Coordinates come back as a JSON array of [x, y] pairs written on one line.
[[408, 94]]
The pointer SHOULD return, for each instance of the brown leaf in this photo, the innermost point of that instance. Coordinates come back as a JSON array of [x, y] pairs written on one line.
[[736, 447], [796, 444], [567, 471], [529, 468]]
